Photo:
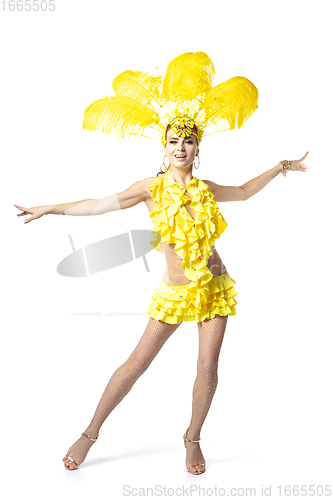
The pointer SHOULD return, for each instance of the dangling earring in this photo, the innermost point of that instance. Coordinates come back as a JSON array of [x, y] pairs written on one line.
[[166, 166], [198, 162]]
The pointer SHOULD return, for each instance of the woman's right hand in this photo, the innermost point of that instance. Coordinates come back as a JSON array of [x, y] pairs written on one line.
[[36, 212]]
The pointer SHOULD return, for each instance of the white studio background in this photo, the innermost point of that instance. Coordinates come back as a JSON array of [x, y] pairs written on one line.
[[270, 421]]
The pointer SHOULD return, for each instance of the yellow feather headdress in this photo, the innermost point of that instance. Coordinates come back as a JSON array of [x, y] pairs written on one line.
[[183, 99]]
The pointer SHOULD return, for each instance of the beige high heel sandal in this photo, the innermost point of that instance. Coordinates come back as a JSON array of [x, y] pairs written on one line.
[[188, 467], [67, 456]]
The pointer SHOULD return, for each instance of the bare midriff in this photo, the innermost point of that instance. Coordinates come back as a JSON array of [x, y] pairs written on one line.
[[174, 274]]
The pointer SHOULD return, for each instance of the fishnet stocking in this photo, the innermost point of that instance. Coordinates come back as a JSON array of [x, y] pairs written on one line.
[[121, 382], [211, 334]]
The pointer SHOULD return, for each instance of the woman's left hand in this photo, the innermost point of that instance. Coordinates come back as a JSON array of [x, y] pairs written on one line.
[[298, 164]]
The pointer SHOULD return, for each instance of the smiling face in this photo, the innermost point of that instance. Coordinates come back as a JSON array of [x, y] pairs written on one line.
[[181, 151]]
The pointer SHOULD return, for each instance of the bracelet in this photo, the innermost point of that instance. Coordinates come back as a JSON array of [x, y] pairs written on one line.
[[286, 165]]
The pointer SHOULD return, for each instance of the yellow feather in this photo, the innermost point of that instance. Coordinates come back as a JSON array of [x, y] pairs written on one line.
[[235, 99], [138, 85], [188, 76], [121, 115], [186, 89]]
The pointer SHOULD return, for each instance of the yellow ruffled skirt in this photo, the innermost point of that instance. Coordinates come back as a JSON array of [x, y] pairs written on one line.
[[172, 304]]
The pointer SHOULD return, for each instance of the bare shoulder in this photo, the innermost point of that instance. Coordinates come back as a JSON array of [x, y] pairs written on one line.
[[226, 193], [211, 184], [145, 183]]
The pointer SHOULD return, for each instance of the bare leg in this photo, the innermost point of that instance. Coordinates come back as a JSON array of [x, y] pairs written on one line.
[[211, 333], [120, 384]]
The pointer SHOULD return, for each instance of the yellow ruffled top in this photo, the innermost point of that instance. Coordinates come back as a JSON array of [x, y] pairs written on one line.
[[193, 239]]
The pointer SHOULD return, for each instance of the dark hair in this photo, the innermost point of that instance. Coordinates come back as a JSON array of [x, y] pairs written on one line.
[[166, 131]]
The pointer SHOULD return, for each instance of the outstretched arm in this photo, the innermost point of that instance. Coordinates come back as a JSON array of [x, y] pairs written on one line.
[[244, 192], [129, 198], [255, 185], [126, 199]]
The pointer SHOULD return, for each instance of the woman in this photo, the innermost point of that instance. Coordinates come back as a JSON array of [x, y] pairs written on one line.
[[196, 285]]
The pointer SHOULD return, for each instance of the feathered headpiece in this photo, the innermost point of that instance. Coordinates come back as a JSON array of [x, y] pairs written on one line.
[[184, 99]]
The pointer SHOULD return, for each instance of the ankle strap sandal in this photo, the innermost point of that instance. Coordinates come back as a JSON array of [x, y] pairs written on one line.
[[188, 467], [191, 440], [93, 439], [77, 464]]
